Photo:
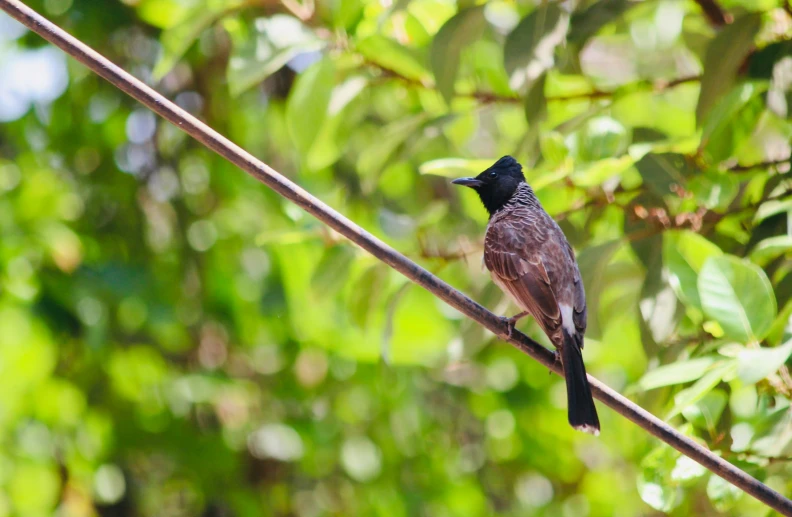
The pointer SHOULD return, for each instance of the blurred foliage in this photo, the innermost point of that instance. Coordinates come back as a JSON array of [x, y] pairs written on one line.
[[175, 339]]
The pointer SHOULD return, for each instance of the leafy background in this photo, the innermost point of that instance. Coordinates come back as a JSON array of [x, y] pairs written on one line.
[[175, 339]]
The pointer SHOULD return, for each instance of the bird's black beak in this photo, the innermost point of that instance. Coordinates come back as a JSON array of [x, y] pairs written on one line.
[[468, 182]]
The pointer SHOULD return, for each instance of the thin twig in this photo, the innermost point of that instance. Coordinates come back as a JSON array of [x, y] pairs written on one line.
[[481, 96], [267, 175], [762, 165], [656, 87], [490, 97]]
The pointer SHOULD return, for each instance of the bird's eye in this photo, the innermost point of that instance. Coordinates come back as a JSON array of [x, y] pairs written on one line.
[[493, 174]]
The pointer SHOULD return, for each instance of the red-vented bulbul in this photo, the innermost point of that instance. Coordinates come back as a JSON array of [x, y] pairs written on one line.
[[530, 260]]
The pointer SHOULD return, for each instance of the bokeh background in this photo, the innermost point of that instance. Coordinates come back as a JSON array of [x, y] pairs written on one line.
[[177, 340]]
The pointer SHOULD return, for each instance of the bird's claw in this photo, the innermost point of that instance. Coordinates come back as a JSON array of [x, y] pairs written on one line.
[[556, 359], [510, 322]]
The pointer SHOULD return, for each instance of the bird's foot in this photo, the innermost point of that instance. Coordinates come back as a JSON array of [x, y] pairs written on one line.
[[556, 359], [511, 322]]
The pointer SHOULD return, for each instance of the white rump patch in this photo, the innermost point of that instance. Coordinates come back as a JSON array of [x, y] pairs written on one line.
[[567, 319]]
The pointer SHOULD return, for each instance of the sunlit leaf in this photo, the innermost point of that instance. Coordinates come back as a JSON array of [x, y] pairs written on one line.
[[333, 269], [331, 140], [713, 189], [755, 364], [393, 57], [588, 22], [600, 138], [738, 295], [769, 249], [676, 373], [34, 487], [654, 482], [308, 102], [595, 173], [529, 46], [725, 55], [729, 123], [703, 386], [593, 262], [773, 207], [177, 39], [454, 167], [273, 42], [687, 470], [723, 494], [684, 254], [447, 46], [706, 413], [373, 159]]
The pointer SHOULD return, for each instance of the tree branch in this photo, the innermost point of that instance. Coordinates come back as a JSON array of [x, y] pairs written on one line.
[[270, 177], [714, 13]]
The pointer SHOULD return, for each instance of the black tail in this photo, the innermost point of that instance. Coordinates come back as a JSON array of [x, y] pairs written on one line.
[[580, 403]]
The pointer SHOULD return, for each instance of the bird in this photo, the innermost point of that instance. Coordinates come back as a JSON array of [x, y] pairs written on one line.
[[530, 259]]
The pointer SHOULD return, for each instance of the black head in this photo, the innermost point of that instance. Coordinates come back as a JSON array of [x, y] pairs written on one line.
[[496, 185]]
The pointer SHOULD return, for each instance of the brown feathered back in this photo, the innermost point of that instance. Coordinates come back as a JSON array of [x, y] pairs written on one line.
[[530, 259]]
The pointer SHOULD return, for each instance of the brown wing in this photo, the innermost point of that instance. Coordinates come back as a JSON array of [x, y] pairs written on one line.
[[580, 315], [522, 273]]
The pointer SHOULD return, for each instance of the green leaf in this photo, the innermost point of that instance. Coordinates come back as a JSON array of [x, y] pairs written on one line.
[[593, 261], [661, 172], [723, 494], [177, 39], [394, 57], [274, 42], [420, 333], [534, 102], [553, 147], [687, 471], [374, 157], [533, 40], [778, 330], [595, 173], [586, 23], [676, 373], [771, 248], [714, 189], [162, 14], [454, 167], [347, 13], [706, 413], [601, 138], [704, 385], [463, 28], [684, 254], [306, 108], [738, 295], [655, 483], [771, 208], [332, 270], [725, 54], [659, 306], [732, 121], [755, 364], [330, 142], [368, 290], [487, 60]]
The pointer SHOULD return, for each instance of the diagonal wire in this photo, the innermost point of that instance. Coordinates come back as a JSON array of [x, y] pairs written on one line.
[[288, 189]]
